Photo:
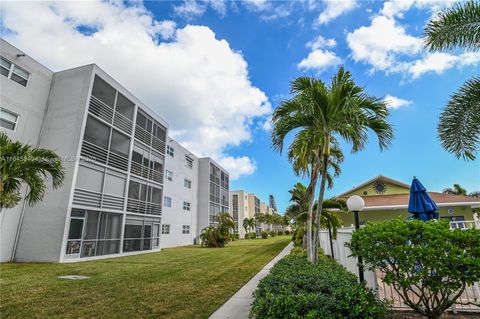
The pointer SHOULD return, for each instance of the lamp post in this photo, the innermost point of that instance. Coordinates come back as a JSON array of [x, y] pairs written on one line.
[[356, 204]]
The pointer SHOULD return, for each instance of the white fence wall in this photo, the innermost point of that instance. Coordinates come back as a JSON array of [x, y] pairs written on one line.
[[342, 253]]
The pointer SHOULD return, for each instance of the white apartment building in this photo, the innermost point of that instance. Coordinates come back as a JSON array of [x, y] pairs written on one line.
[[114, 149]]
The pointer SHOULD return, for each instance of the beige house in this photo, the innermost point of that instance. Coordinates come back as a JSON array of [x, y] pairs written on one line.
[[386, 198]]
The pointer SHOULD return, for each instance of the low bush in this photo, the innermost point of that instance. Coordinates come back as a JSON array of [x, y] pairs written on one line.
[[287, 232], [297, 236], [264, 234], [280, 233], [234, 237], [296, 288], [250, 236], [273, 233]]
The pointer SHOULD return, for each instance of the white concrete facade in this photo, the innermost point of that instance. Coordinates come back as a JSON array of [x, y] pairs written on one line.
[[114, 154]]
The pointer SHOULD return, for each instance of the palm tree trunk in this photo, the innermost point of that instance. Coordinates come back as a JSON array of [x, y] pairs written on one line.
[[311, 201], [330, 238], [321, 194]]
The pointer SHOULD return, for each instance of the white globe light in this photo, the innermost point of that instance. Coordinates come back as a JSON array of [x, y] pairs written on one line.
[[355, 203]]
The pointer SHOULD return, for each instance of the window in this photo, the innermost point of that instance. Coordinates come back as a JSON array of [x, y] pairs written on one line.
[[14, 72], [186, 206], [187, 183], [188, 162], [96, 132], [169, 175], [170, 151], [8, 119], [185, 229], [165, 229], [167, 201]]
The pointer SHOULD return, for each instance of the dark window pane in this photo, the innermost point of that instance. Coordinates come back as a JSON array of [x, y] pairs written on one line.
[[92, 225], [120, 144], [134, 190], [156, 195], [76, 229], [18, 79], [137, 157], [133, 231], [141, 120], [125, 106], [96, 132], [4, 71], [103, 91]]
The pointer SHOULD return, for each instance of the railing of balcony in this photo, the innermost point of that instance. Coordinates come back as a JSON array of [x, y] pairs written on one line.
[[112, 202], [136, 206], [87, 198], [118, 161], [100, 109], [143, 171], [123, 123], [94, 152], [142, 135]]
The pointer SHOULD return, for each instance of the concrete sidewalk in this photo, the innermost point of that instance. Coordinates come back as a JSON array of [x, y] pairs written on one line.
[[238, 306]]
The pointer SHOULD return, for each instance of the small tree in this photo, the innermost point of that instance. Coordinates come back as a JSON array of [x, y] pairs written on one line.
[[220, 235], [427, 264]]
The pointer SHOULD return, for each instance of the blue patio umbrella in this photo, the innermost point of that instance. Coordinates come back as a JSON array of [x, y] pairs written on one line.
[[420, 204]]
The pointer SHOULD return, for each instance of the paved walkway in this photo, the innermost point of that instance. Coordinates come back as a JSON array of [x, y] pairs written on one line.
[[238, 306]]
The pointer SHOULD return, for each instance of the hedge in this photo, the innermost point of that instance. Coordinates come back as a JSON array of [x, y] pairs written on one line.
[[297, 289]]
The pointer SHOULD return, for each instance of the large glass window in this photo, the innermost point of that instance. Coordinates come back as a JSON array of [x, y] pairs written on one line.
[[120, 143], [5, 67], [93, 233], [138, 235], [103, 91], [125, 106], [97, 133]]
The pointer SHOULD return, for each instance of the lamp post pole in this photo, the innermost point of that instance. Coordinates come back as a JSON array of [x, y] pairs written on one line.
[[356, 204], [361, 277]]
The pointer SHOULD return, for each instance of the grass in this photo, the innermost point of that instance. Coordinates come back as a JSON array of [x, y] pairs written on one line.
[[185, 282]]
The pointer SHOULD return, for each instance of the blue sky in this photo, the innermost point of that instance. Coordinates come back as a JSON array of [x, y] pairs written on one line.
[[260, 45]]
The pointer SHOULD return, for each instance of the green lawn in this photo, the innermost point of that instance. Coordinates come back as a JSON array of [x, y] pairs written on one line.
[[186, 282]]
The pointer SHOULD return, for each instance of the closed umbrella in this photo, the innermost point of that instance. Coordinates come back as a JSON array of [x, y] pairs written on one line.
[[420, 204]]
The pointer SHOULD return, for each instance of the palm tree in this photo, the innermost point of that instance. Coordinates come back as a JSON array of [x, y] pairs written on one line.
[[459, 126], [21, 163], [322, 113], [456, 190], [246, 225]]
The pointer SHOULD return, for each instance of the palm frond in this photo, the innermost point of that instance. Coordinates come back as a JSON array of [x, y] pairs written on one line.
[[456, 27], [459, 126]]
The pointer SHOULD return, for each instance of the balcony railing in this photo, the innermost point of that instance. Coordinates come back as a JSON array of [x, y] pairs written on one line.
[[158, 144], [143, 171], [136, 206], [118, 161], [87, 198], [123, 123], [100, 109], [142, 135], [112, 202], [94, 152]]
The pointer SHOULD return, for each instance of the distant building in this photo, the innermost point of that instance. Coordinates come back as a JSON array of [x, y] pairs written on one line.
[[386, 198], [125, 190]]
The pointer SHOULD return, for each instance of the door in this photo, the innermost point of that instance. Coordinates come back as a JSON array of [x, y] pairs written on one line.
[[75, 234]]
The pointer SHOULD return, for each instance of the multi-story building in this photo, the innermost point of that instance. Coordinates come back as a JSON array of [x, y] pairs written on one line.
[[113, 148], [213, 192], [180, 201], [246, 205]]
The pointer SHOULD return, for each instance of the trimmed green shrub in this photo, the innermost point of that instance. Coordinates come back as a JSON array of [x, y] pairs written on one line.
[[426, 259], [234, 237], [264, 234], [280, 232], [297, 236], [250, 236], [287, 232], [297, 289], [273, 234]]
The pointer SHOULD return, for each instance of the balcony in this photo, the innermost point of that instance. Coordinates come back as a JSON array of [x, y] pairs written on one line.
[[93, 152], [106, 113], [142, 135], [140, 207], [145, 172]]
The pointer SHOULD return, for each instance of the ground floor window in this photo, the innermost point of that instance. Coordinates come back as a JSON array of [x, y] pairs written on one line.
[[185, 229], [93, 233], [141, 235], [165, 229]]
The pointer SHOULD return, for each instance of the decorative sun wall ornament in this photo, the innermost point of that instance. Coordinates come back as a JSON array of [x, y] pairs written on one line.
[[379, 187]]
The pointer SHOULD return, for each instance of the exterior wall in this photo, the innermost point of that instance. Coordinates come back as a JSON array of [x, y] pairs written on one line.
[[242, 210], [381, 215], [253, 205], [42, 231], [29, 104], [206, 200], [175, 216], [390, 189]]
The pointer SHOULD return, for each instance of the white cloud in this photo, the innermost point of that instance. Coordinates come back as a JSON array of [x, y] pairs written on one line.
[[334, 9], [320, 60], [395, 102], [397, 8], [166, 29], [190, 9], [238, 166], [439, 62], [381, 43], [256, 5], [197, 82], [320, 42]]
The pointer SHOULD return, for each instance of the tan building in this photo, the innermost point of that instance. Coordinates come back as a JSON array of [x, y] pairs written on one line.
[[245, 205]]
